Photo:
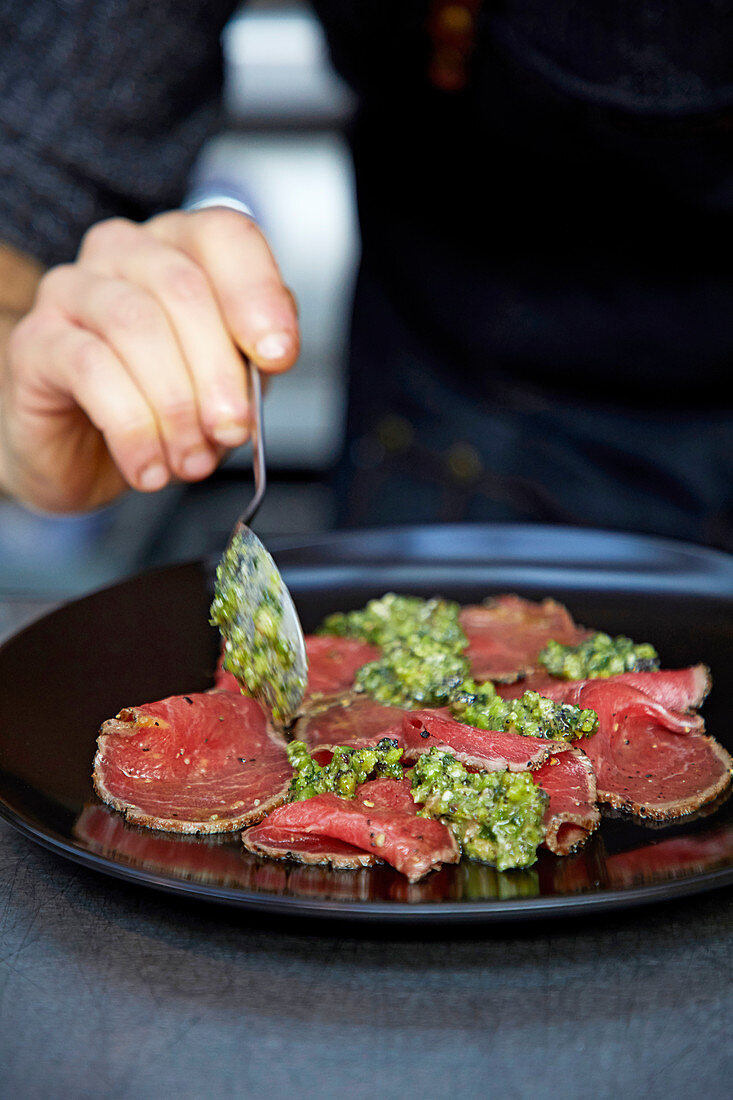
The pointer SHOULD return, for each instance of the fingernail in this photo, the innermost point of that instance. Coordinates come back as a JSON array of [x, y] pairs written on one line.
[[230, 434], [274, 346], [153, 477], [198, 463]]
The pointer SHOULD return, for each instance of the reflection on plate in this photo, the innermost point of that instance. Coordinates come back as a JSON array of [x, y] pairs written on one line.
[[148, 637], [224, 862]]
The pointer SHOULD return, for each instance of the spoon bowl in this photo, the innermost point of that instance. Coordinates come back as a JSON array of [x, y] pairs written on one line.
[[264, 646]]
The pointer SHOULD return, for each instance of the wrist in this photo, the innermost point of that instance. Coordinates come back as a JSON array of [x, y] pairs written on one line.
[[19, 279]]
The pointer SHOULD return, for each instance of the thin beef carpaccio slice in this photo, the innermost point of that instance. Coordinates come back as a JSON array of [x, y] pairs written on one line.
[[572, 814], [201, 763], [389, 829], [351, 719], [332, 665], [564, 772], [359, 721], [278, 842], [486, 750], [680, 689], [613, 691], [333, 662], [506, 635], [647, 759]]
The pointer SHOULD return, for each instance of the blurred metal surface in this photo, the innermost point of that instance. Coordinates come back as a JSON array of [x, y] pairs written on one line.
[[278, 71]]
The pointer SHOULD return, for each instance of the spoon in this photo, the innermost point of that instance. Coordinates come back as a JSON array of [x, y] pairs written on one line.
[[264, 645]]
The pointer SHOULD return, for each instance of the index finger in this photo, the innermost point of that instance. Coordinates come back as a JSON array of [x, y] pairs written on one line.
[[258, 308]]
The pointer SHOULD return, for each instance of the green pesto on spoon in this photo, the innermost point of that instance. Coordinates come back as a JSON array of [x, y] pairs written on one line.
[[264, 645]]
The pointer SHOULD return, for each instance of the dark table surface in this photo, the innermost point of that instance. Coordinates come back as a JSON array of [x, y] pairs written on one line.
[[112, 990]]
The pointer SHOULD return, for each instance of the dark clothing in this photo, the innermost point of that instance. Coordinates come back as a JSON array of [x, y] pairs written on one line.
[[547, 270], [422, 445], [547, 277], [103, 107]]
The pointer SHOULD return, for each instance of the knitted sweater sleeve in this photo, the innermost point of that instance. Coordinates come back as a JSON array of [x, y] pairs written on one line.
[[103, 108]]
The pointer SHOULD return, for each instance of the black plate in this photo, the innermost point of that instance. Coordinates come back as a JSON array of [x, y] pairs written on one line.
[[148, 637]]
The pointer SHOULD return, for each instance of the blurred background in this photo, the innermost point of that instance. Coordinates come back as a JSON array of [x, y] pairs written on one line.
[[282, 146]]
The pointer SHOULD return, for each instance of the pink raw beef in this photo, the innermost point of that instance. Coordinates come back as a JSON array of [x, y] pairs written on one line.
[[676, 689], [200, 763], [486, 750], [332, 664], [506, 635], [572, 814], [360, 722], [352, 719], [387, 794], [389, 829], [276, 842], [649, 760]]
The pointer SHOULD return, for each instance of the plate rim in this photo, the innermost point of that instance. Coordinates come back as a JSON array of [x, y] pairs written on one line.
[[469, 910]]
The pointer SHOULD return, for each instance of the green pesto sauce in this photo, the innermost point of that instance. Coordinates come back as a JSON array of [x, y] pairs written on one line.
[[344, 772], [256, 650], [421, 674], [598, 656], [422, 647], [496, 817], [532, 715], [394, 617]]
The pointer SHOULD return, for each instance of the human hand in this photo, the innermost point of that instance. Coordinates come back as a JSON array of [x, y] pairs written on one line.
[[128, 368]]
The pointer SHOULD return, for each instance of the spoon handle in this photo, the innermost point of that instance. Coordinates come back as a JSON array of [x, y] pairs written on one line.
[[258, 443]]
